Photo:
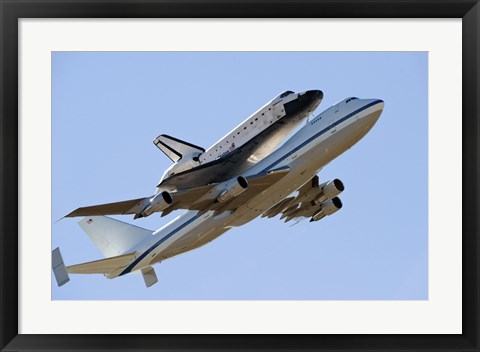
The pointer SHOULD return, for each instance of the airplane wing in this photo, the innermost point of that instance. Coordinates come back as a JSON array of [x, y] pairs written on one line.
[[292, 201], [298, 210], [313, 200], [299, 206], [277, 209], [189, 199], [132, 206], [200, 198]]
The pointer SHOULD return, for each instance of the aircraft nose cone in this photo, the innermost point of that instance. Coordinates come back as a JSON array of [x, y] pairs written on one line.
[[310, 99], [305, 102], [381, 104], [377, 106], [310, 95]]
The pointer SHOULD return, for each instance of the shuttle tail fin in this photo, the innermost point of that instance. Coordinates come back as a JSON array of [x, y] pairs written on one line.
[[175, 148], [112, 237]]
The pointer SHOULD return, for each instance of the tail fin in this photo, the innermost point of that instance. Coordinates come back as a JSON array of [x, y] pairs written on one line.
[[112, 237], [175, 148]]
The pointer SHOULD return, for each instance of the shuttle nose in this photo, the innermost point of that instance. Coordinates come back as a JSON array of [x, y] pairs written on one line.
[[310, 95], [306, 101]]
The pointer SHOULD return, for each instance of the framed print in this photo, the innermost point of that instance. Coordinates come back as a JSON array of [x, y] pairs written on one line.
[[263, 273], [87, 86]]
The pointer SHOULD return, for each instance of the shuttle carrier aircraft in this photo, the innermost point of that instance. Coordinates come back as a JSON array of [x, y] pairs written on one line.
[[263, 179]]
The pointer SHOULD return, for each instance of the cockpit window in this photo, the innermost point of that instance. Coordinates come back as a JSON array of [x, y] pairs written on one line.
[[350, 99], [283, 95]]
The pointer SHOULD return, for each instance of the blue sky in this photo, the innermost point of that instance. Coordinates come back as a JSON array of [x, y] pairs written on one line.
[[108, 107]]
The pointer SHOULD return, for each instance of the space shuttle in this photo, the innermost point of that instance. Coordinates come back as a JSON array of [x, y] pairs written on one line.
[[245, 145]]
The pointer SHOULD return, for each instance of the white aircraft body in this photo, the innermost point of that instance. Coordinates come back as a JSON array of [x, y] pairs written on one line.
[[284, 182]]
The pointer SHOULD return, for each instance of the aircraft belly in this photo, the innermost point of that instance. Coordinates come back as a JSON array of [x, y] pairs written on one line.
[[190, 242], [205, 232]]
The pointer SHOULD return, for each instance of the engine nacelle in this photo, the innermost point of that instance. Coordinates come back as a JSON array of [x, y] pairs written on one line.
[[159, 202], [327, 208], [233, 189], [330, 190]]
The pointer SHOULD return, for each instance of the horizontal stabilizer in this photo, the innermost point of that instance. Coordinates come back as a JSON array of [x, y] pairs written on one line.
[[58, 267], [102, 266], [132, 206], [175, 148]]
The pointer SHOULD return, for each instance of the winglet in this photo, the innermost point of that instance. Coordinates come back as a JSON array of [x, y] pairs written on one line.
[[58, 267]]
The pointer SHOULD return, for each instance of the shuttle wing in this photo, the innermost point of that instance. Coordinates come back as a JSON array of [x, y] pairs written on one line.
[[200, 198]]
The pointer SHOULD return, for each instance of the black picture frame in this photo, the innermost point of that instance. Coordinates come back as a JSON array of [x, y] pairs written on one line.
[[12, 10]]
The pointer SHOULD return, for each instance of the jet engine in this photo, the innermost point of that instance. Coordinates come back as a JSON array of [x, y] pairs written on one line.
[[329, 190], [158, 203], [327, 208], [233, 189]]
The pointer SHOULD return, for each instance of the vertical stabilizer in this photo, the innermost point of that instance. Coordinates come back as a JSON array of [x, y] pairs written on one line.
[[112, 237]]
